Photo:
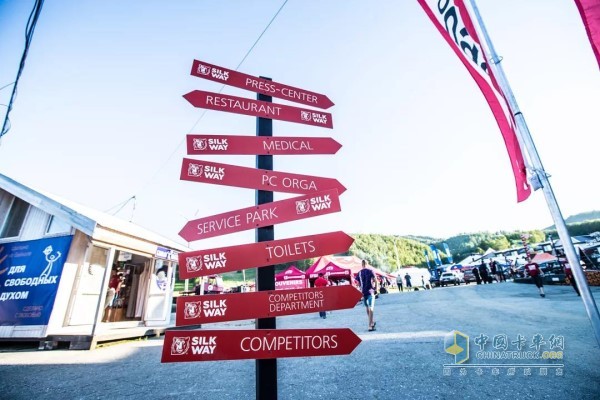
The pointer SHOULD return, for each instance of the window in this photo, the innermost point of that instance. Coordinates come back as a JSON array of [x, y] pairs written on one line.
[[56, 225], [13, 222]]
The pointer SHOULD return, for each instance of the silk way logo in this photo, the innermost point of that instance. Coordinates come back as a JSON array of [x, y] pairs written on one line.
[[319, 118], [199, 144], [320, 202], [219, 74], [203, 69], [195, 170], [192, 309], [215, 260], [180, 346], [305, 115], [193, 264], [302, 206]]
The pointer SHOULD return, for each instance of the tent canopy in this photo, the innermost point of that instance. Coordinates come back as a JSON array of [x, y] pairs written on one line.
[[290, 273], [543, 257], [350, 263]]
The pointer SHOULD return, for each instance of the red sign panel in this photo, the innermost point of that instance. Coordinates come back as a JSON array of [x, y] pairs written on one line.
[[267, 214], [252, 178], [194, 310], [237, 79], [184, 346], [235, 258], [257, 108], [260, 145]]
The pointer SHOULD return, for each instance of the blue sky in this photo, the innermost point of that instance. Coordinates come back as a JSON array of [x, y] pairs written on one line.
[[100, 116]]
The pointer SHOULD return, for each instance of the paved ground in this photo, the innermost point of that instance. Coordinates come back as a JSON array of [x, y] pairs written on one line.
[[404, 358]]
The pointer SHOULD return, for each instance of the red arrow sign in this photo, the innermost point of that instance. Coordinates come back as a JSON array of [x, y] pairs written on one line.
[[259, 145], [257, 108], [230, 77], [252, 178], [277, 212], [234, 258], [183, 346], [193, 310]]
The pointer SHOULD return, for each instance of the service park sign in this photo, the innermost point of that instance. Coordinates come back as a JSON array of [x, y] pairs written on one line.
[[267, 214]]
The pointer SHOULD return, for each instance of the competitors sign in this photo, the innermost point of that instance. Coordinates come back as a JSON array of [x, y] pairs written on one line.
[[184, 346]]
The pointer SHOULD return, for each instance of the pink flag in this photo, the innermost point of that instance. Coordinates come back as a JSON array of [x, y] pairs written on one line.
[[454, 23], [590, 14]]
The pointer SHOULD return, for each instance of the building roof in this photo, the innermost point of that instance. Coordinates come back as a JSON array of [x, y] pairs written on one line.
[[83, 218]]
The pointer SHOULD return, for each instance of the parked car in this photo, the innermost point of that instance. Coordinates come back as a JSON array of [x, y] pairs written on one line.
[[468, 276], [450, 277]]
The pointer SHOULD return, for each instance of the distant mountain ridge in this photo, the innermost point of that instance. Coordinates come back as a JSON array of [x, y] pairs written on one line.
[[579, 218]]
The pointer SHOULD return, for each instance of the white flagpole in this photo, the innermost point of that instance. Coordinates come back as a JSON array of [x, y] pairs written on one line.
[[539, 177]]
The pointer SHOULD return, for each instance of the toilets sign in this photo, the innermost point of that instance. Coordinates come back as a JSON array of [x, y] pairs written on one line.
[[220, 260]]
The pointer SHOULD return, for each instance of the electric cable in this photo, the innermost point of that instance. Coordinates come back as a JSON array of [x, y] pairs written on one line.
[[168, 159], [29, 29]]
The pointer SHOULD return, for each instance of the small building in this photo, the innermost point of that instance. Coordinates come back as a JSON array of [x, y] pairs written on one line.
[[72, 274]]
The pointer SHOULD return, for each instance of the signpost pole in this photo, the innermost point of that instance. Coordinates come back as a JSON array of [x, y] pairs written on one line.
[[266, 369]]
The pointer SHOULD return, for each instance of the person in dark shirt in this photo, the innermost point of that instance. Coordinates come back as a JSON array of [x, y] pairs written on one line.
[[483, 272], [368, 287], [408, 282], [476, 275]]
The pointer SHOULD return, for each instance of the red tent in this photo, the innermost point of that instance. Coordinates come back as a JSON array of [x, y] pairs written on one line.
[[330, 269], [350, 263], [291, 278]]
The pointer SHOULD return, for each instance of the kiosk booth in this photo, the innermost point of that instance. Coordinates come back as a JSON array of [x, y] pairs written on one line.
[[75, 275]]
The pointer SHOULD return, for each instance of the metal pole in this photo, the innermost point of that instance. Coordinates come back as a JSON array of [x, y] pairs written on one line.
[[539, 173], [266, 370]]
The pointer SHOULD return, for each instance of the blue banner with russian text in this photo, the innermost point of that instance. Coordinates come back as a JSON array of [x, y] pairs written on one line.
[[29, 275]]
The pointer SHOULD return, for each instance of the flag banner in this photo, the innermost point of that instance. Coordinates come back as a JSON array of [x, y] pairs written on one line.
[[436, 255], [590, 14], [454, 23], [448, 253], [427, 258]]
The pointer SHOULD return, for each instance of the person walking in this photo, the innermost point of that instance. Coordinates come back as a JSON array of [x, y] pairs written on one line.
[[321, 281], [399, 282], [408, 282], [483, 272], [476, 275], [533, 269], [368, 287]]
